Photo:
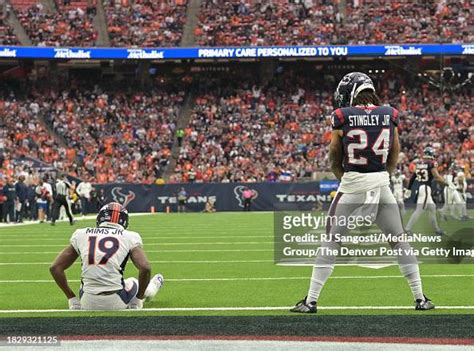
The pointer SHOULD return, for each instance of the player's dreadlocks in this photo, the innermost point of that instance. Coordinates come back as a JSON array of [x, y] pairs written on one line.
[[366, 97]]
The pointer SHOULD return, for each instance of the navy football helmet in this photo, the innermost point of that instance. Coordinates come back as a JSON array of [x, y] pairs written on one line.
[[429, 152], [113, 212], [350, 86]]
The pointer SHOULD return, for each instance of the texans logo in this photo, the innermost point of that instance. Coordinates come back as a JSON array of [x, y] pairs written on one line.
[[122, 198], [238, 190]]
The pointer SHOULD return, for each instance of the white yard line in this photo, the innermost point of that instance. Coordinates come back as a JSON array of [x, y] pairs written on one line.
[[160, 244], [80, 218], [15, 281], [265, 308], [49, 238], [148, 251], [172, 261]]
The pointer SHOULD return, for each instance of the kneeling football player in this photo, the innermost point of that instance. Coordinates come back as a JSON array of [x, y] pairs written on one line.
[[104, 252]]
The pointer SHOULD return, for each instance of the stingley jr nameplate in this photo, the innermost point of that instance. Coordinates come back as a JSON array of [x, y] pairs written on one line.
[[300, 236]]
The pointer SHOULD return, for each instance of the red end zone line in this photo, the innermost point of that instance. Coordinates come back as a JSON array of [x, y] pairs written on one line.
[[359, 339]]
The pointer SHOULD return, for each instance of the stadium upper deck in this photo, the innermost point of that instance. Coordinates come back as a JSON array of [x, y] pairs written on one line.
[[144, 23]]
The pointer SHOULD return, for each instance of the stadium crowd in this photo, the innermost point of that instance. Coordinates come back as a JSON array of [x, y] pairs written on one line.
[[73, 27], [101, 135], [322, 22], [383, 21], [243, 131], [145, 23], [239, 129], [280, 131], [7, 35], [259, 23]]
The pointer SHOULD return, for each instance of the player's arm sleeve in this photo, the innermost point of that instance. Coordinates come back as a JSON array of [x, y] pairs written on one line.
[[136, 241], [337, 119], [73, 242]]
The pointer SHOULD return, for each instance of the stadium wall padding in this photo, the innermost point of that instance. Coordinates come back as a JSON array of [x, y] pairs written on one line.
[[228, 196]]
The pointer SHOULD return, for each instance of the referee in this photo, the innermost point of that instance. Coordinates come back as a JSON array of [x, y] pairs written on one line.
[[62, 189]]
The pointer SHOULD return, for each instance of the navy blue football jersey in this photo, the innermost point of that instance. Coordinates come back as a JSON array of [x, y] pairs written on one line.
[[367, 136], [423, 170]]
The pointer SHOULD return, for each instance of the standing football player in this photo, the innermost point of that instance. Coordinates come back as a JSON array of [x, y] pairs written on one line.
[[426, 170], [461, 186], [363, 152], [398, 180], [454, 194], [104, 252]]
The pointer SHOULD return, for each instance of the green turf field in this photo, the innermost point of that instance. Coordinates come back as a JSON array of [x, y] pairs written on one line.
[[221, 260]]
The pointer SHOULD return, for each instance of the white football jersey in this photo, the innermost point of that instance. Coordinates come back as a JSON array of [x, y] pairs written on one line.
[[460, 182], [397, 183], [104, 252]]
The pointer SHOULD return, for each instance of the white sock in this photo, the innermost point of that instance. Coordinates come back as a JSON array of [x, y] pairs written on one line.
[[322, 269], [412, 274], [318, 279]]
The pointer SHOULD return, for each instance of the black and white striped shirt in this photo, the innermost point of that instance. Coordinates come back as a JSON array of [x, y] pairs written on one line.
[[62, 187]]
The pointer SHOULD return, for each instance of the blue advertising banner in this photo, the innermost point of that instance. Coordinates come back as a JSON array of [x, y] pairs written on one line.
[[229, 196], [233, 52], [225, 196]]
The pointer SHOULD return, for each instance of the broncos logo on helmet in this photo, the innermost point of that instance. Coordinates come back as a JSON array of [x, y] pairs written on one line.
[[350, 86], [122, 198], [113, 212]]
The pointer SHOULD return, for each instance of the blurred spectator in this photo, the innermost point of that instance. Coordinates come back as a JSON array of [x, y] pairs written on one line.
[[22, 194], [247, 196], [84, 190], [182, 198], [10, 197]]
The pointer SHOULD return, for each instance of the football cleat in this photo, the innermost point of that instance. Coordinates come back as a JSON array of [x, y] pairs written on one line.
[[440, 232], [424, 305], [154, 286], [303, 307]]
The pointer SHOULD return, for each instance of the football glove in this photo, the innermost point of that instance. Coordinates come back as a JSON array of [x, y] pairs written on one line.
[[406, 193], [136, 304], [74, 303]]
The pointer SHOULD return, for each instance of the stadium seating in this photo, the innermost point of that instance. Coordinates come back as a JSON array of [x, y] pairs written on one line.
[[247, 132], [280, 131], [7, 36], [145, 23], [109, 136], [285, 22], [239, 130], [383, 21], [267, 23], [64, 28]]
